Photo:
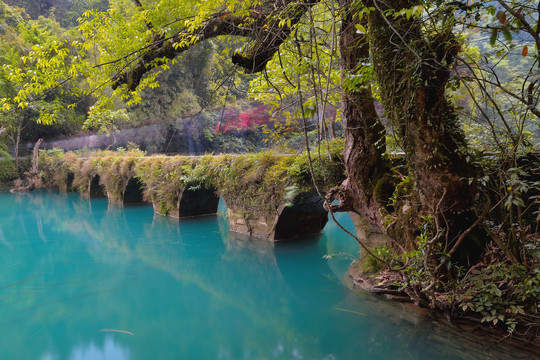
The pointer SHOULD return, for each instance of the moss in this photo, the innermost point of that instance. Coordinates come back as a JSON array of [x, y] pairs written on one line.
[[328, 167], [385, 185], [164, 179], [115, 171], [252, 182], [249, 183], [405, 219], [53, 168]]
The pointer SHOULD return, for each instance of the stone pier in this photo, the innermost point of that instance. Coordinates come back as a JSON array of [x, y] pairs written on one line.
[[302, 216]]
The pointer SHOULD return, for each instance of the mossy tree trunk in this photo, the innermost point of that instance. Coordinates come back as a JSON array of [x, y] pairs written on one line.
[[412, 69], [364, 132]]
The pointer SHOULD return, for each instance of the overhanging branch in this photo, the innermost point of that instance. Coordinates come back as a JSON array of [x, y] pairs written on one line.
[[267, 26]]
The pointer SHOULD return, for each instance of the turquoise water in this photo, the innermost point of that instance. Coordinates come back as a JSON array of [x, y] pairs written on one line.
[[82, 280]]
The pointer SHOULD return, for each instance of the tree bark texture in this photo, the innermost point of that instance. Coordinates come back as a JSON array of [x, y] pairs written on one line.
[[35, 157], [412, 69], [364, 133]]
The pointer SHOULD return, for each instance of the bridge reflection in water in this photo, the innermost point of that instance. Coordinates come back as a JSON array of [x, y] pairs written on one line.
[[84, 280]]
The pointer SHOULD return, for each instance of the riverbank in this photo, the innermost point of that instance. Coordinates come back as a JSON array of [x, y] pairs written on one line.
[[461, 331]]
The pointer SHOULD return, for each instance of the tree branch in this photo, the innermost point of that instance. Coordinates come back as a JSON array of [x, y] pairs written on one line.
[[267, 26], [523, 20]]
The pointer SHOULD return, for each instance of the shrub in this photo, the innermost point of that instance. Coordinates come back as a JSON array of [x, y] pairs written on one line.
[[8, 169]]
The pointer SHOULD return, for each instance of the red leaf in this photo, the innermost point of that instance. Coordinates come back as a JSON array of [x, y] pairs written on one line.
[[525, 51], [501, 16]]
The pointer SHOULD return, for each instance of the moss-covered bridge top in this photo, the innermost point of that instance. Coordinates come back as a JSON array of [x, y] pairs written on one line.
[[255, 187]]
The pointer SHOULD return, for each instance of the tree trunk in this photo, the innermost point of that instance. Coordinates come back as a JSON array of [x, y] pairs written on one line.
[[17, 143], [412, 69], [365, 145], [35, 157]]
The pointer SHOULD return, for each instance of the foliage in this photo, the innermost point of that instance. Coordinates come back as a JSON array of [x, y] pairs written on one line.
[[22, 41], [244, 121], [502, 292], [106, 121], [53, 168], [307, 62], [66, 11], [500, 76], [164, 179], [516, 190], [199, 82], [8, 170]]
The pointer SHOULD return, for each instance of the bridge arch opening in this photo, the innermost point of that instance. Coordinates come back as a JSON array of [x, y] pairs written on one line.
[[69, 181], [95, 190], [133, 194], [198, 200], [305, 215]]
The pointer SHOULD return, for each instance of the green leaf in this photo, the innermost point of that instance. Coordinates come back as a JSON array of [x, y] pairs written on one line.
[[493, 37], [360, 29]]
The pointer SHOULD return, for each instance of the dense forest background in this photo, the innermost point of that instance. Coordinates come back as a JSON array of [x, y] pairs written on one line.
[[201, 105]]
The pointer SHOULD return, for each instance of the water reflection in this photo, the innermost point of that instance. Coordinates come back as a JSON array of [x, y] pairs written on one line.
[[71, 267], [110, 349]]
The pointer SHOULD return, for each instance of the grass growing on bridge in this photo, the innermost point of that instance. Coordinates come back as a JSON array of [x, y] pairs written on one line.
[[247, 182]]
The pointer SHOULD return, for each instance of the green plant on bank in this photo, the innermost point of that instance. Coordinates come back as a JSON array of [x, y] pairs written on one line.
[[503, 288], [8, 169], [421, 267], [502, 293], [371, 265]]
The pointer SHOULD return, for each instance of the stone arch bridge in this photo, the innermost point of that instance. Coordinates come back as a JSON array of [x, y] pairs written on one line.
[[267, 195]]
